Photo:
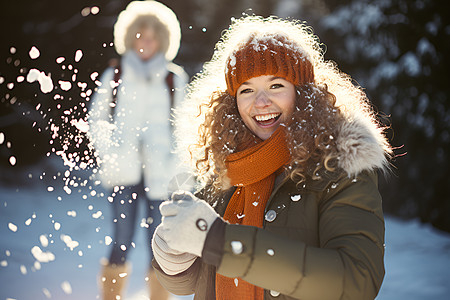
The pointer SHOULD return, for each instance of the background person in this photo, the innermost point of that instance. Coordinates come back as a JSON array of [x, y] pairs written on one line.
[[131, 132], [287, 150]]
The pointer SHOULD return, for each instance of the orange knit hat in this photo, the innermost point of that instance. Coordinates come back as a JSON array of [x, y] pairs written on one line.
[[269, 54]]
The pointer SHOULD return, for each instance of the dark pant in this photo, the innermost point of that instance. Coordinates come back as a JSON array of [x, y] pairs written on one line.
[[126, 203]]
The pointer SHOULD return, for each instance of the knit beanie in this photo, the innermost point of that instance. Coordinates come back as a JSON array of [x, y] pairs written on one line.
[[268, 54]]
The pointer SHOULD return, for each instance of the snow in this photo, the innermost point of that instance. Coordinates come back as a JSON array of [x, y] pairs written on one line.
[[52, 243]]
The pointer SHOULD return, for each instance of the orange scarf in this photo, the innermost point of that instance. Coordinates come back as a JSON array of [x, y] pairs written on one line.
[[253, 171]]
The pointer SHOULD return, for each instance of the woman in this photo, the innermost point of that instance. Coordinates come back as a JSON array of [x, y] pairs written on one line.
[[131, 132], [287, 150]]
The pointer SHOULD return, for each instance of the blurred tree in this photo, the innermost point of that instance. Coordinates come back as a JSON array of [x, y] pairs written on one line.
[[398, 51]]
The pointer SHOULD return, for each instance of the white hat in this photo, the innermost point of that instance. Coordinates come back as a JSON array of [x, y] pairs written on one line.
[[137, 9]]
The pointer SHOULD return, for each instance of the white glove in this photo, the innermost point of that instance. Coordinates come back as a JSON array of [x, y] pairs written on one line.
[[172, 262], [186, 221]]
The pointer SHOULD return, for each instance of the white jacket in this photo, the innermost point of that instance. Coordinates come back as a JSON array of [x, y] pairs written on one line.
[[139, 142]]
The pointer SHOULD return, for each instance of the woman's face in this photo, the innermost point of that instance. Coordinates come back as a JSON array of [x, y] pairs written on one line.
[[146, 43], [264, 102]]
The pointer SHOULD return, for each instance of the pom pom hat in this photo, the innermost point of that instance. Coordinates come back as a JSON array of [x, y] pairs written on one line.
[[268, 54]]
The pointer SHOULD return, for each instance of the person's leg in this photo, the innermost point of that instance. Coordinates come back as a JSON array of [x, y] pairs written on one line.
[[157, 291], [125, 207], [116, 271]]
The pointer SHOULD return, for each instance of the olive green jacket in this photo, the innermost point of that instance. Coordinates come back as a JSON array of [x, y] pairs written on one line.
[[323, 240]]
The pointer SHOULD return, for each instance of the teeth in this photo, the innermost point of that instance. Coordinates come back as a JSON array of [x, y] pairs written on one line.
[[261, 118]]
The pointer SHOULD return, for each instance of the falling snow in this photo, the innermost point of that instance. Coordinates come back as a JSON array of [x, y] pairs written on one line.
[[237, 247], [12, 227], [45, 82], [406, 256], [34, 53], [296, 198]]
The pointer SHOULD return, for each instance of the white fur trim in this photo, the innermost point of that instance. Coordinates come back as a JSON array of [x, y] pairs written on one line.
[[361, 146]]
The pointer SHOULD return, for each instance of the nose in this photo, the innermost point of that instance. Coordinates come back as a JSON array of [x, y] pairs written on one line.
[[262, 100]]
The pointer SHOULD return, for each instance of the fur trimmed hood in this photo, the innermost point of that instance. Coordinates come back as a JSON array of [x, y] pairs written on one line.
[[147, 8], [362, 146]]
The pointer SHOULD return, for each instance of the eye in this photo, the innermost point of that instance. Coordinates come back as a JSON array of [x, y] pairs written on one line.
[[246, 91], [276, 86]]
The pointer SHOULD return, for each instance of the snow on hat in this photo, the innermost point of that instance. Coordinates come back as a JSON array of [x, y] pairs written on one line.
[[137, 9], [267, 54]]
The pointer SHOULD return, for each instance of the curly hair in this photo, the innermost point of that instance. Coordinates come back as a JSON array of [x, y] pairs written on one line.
[[310, 135], [208, 123]]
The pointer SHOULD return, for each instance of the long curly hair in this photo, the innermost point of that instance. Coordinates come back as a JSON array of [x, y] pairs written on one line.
[[208, 126]]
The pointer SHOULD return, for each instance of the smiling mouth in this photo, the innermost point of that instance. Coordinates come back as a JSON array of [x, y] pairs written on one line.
[[268, 119]]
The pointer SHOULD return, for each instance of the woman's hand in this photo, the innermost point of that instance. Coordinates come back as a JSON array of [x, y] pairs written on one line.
[[171, 261], [186, 221]]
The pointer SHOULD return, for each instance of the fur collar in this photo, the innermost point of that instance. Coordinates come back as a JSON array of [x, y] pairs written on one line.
[[362, 146]]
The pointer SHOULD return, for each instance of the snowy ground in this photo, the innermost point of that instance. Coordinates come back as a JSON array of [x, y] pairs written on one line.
[[40, 221]]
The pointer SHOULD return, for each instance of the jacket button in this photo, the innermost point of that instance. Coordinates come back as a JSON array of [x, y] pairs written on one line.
[[274, 293], [270, 215]]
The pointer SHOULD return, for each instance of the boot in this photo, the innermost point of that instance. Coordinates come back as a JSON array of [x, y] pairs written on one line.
[[113, 279], [157, 291]]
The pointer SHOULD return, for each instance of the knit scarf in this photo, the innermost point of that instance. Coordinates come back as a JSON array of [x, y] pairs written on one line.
[[253, 171]]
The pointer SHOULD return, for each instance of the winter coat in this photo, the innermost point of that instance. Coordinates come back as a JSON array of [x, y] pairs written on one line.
[[321, 240], [138, 142]]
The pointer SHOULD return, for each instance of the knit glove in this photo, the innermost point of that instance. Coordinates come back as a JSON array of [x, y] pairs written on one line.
[[186, 221], [171, 261]]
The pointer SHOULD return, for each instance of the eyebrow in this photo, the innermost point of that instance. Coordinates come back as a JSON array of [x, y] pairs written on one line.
[[270, 79]]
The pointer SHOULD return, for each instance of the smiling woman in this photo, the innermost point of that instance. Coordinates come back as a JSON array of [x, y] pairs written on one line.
[[286, 149]]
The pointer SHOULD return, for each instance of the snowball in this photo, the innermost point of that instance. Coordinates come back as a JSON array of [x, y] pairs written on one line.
[[95, 10], [78, 55], [296, 198], [94, 76], [23, 269], [46, 293], [66, 287], [34, 52], [65, 85], [57, 226], [80, 124], [41, 256], [12, 227], [45, 81], [108, 240], [97, 215], [44, 241], [237, 247], [69, 242]]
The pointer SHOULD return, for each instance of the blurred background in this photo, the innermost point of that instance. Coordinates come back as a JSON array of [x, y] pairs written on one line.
[[398, 51]]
